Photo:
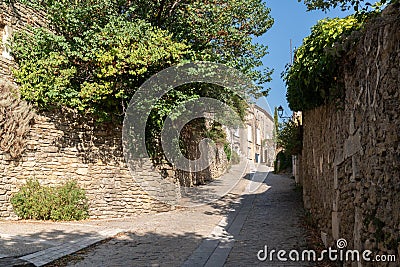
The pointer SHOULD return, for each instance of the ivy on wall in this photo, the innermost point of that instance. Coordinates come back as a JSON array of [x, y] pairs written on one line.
[[313, 79]]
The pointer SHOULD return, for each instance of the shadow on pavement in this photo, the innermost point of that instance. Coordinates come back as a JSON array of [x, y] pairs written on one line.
[[270, 216], [130, 249], [23, 244]]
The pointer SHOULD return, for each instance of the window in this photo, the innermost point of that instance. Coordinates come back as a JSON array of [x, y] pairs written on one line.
[[258, 136], [249, 133]]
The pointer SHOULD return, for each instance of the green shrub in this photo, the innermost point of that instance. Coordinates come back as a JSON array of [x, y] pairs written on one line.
[[283, 161], [313, 79], [34, 201], [228, 151], [235, 158], [232, 156], [290, 137]]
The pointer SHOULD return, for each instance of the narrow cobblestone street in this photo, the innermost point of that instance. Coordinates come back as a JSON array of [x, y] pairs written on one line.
[[229, 232], [200, 133], [273, 221]]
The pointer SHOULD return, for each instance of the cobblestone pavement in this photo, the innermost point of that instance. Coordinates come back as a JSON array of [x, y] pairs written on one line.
[[228, 232], [165, 239], [262, 210], [273, 221]]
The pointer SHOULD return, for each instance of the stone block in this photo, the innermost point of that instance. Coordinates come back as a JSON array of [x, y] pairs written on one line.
[[339, 157], [352, 128], [335, 178], [352, 145], [336, 225], [336, 199], [82, 171], [324, 238], [28, 164]]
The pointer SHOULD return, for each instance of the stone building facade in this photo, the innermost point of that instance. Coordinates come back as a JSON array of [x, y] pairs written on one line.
[[255, 139]]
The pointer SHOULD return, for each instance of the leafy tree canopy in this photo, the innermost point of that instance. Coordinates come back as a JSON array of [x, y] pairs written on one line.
[[98, 52], [289, 137], [357, 5]]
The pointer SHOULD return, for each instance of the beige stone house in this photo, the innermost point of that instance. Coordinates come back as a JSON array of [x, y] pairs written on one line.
[[255, 140]]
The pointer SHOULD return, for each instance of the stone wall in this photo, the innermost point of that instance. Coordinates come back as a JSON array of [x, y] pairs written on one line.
[[63, 146], [15, 17], [350, 163], [192, 134]]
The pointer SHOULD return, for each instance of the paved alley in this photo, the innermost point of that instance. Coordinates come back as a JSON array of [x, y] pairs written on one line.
[[229, 232], [263, 209]]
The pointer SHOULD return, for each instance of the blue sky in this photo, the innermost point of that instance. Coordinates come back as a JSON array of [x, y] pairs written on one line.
[[292, 21]]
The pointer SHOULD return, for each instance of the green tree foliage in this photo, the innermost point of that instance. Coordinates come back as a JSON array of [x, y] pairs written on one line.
[[276, 125], [98, 52], [289, 142], [357, 5], [283, 161], [290, 137], [91, 67], [218, 30], [313, 79]]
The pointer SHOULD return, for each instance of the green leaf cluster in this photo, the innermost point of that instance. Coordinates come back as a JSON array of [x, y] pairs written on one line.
[[96, 53], [289, 137], [312, 79], [96, 71], [289, 141], [283, 162], [34, 201], [357, 5]]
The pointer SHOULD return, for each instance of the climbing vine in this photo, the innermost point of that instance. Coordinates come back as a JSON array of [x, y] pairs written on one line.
[[313, 79]]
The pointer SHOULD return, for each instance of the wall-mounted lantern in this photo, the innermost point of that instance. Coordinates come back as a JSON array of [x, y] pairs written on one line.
[[280, 113]]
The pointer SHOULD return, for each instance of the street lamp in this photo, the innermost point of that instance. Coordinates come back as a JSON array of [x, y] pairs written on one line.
[[280, 113]]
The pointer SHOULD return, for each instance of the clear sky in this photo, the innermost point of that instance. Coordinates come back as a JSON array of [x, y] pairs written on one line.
[[292, 21]]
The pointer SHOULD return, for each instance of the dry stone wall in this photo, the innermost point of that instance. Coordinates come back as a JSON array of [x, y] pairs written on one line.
[[350, 163], [15, 17], [63, 146]]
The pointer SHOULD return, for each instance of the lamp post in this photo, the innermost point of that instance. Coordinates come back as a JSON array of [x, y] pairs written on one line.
[[280, 113]]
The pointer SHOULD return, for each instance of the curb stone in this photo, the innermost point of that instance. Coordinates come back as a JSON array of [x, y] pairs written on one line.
[[46, 256]]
